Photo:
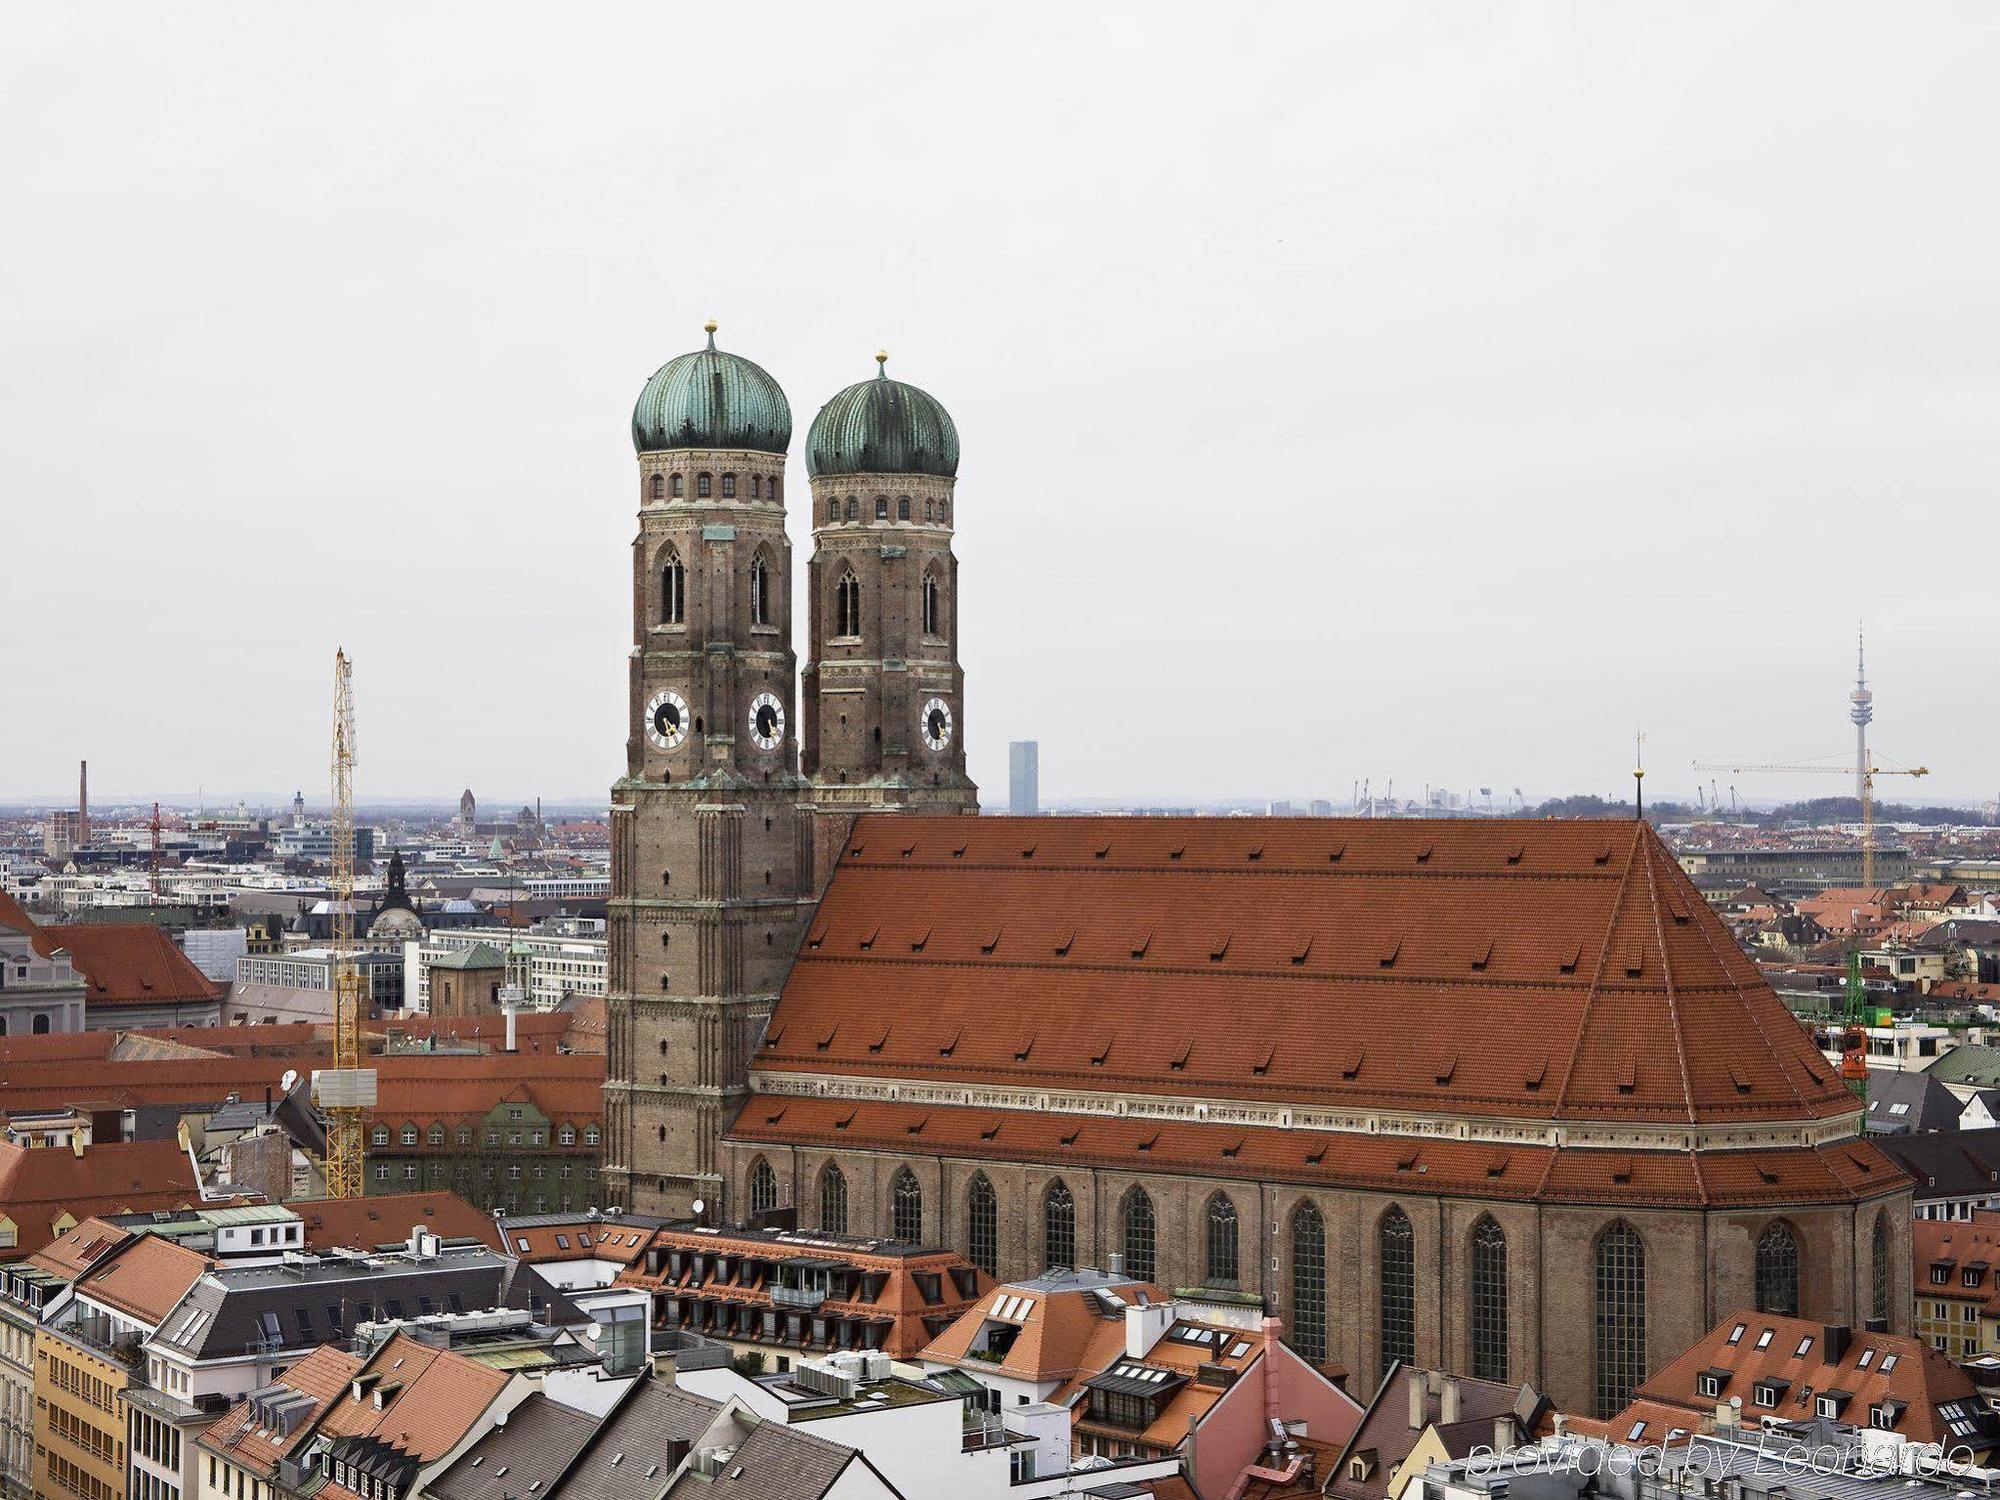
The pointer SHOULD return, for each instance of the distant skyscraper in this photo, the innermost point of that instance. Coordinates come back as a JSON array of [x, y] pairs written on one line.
[[1861, 712], [1024, 778]]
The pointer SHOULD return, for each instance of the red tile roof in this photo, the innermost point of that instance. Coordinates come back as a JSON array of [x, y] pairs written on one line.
[[145, 1278], [323, 1375], [127, 963], [1842, 1172], [364, 1223], [1546, 970], [39, 1185], [1870, 1368]]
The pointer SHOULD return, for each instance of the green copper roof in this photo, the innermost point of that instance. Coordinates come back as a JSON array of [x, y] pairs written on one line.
[[882, 426], [709, 399]]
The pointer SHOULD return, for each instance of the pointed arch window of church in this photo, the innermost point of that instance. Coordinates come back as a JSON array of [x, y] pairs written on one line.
[[903, 508], [680, 486], [853, 508], [906, 1207], [729, 486], [881, 507], [1489, 1300], [1396, 1289], [847, 605], [756, 486], [1308, 1331], [701, 486], [833, 1200], [763, 1187], [760, 591], [1222, 1249], [927, 510], [1059, 1225], [1142, 1258], [982, 1224], [673, 590], [833, 510], [659, 489], [1879, 1257], [930, 604]]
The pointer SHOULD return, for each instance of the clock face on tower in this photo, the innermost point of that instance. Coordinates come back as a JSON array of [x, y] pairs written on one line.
[[667, 719], [936, 723], [767, 721]]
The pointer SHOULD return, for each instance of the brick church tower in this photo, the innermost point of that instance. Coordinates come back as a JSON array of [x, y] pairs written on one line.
[[711, 825], [884, 693]]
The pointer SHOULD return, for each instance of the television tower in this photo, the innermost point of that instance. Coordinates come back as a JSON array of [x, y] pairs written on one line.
[[1861, 711]]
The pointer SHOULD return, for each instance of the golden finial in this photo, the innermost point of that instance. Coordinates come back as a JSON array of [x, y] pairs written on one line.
[[881, 364], [709, 328]]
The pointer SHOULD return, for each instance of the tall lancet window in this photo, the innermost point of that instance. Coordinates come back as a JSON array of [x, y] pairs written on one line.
[[673, 590], [760, 591], [930, 604], [847, 605]]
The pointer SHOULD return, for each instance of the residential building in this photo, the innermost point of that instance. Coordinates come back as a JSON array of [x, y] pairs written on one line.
[[1792, 1371], [45, 1191], [574, 1251], [311, 970], [40, 993], [1909, 1104], [507, 1131], [1956, 1265], [80, 1419], [551, 962], [1954, 1173], [782, 1294], [1422, 1417]]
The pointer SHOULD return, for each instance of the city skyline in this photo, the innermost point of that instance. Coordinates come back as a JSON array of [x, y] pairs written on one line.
[[1531, 457]]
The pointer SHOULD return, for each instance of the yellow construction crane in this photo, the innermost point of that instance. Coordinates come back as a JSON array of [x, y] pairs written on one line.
[[346, 1091], [1868, 776]]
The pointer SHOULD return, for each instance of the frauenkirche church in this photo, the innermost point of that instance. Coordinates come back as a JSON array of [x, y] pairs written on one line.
[[1496, 1095]]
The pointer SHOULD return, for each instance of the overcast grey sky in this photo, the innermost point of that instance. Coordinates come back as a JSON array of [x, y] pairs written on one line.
[[1434, 392]]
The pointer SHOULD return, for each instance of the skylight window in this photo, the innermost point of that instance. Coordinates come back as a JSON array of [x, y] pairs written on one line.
[[1764, 1339], [1805, 1348], [1736, 1334]]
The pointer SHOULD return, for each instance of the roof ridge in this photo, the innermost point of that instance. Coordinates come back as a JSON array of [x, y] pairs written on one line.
[[1667, 977], [1596, 978]]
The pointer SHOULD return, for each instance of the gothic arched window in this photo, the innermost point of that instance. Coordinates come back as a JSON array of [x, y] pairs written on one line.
[[1879, 1256], [906, 1207], [847, 605], [1396, 1244], [1058, 1225], [729, 486], [659, 488], [1489, 1300], [673, 590], [774, 487], [903, 508], [833, 1200], [1309, 1282], [982, 1225], [833, 510], [680, 487], [1619, 1336], [1778, 1271], [1221, 1258], [927, 510], [760, 591], [853, 508], [881, 507], [944, 510], [763, 1187], [930, 604], [756, 486], [701, 486], [1141, 1238]]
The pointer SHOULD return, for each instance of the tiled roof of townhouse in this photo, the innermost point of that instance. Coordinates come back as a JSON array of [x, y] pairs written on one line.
[[1793, 1368], [385, 1218], [44, 1190]]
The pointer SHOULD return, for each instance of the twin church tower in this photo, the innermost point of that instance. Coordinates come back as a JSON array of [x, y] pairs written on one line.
[[737, 797]]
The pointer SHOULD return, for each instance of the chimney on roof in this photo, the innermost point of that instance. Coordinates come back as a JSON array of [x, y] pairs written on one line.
[[1114, 1263], [1448, 1409], [1836, 1338], [1145, 1324], [1415, 1383], [1503, 1433]]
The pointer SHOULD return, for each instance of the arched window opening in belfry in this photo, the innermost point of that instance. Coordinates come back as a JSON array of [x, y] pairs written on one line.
[[673, 589], [847, 605]]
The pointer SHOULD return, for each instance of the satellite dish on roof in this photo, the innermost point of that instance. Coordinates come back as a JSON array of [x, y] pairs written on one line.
[[290, 1080], [698, 1206]]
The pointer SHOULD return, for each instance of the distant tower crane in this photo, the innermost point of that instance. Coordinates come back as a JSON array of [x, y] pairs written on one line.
[[346, 1091], [153, 858], [1869, 771]]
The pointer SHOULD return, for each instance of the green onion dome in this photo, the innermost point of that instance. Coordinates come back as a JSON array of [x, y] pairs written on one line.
[[882, 426], [709, 399]]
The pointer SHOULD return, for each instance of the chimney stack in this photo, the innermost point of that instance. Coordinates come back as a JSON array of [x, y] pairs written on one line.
[[82, 803], [1418, 1385], [1448, 1409]]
